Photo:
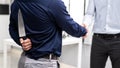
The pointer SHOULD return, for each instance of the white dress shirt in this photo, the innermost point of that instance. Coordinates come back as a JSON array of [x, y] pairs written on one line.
[[106, 15]]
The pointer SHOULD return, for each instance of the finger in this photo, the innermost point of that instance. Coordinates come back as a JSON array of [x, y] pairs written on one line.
[[21, 40], [27, 45], [27, 48], [27, 40]]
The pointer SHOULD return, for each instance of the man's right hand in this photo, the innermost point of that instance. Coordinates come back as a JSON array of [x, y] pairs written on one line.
[[86, 29], [26, 44]]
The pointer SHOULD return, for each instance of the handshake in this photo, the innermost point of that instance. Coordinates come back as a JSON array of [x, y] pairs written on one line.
[[85, 26]]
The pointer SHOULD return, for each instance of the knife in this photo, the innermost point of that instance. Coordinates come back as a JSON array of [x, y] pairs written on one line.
[[21, 27]]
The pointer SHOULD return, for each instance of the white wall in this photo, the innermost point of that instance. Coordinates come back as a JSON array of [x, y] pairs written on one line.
[[71, 53], [4, 1], [76, 9], [4, 21]]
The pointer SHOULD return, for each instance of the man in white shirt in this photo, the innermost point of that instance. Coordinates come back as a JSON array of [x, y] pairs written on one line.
[[106, 28]]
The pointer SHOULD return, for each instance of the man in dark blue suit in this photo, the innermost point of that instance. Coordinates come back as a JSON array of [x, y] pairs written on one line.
[[44, 21]]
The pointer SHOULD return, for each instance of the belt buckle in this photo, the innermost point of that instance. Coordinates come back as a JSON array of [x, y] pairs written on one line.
[[52, 56]]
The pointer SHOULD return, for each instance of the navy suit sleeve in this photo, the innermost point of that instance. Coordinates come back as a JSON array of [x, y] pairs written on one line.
[[64, 21], [13, 26]]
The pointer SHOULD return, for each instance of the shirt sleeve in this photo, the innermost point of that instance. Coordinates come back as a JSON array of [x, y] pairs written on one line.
[[64, 21], [89, 14], [13, 26]]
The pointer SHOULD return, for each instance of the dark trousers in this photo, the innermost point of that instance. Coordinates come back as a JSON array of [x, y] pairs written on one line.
[[102, 48]]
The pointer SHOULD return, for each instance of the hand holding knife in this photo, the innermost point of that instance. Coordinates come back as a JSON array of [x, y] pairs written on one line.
[[25, 42]]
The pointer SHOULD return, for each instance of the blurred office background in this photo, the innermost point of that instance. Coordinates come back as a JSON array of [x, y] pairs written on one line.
[[75, 53]]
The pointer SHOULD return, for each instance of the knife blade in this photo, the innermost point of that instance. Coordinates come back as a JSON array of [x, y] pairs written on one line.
[[21, 26]]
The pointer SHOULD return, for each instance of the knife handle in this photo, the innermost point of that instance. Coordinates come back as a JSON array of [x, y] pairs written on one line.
[[24, 37]]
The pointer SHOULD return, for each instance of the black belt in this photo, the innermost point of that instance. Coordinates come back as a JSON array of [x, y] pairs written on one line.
[[50, 56], [107, 36]]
